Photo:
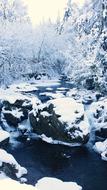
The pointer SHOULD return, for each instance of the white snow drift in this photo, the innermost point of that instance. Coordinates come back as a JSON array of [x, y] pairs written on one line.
[[43, 184]]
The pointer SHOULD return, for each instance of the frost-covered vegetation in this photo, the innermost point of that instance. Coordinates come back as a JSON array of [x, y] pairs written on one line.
[[74, 44]]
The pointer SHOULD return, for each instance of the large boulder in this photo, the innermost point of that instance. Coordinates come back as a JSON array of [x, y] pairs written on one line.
[[17, 111], [19, 103], [62, 119]]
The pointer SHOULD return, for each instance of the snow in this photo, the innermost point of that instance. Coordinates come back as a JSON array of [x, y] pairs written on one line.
[[8, 183], [45, 114], [67, 108], [104, 155], [4, 135], [49, 89], [8, 158], [98, 114], [101, 148], [53, 183], [62, 88], [25, 125], [12, 96], [52, 141], [72, 92], [15, 112], [23, 87], [43, 184], [70, 110]]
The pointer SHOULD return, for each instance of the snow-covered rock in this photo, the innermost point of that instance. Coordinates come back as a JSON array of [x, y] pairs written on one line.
[[9, 97], [15, 116], [101, 148], [10, 166], [15, 106], [98, 117], [61, 120], [83, 96]]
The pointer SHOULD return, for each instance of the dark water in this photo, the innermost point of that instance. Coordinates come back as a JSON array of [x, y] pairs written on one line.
[[80, 164]]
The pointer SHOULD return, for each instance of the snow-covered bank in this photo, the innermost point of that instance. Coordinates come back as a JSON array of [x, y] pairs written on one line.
[[7, 183], [43, 184]]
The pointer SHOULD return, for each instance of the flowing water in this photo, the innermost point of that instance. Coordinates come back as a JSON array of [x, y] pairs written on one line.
[[80, 164]]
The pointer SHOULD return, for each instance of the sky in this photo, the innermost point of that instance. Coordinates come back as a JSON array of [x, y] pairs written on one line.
[[43, 10]]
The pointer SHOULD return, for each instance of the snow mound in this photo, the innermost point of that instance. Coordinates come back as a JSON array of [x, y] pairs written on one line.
[[43, 184], [53, 183], [8, 183], [66, 108]]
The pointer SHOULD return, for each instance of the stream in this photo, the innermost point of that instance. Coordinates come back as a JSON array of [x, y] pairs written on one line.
[[80, 164]]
